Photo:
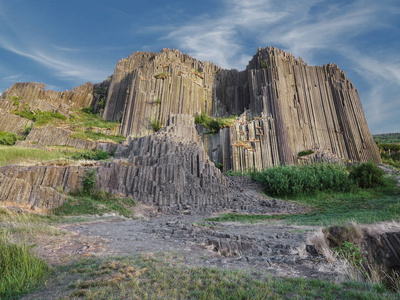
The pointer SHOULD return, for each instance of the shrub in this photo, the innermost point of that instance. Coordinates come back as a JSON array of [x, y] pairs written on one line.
[[7, 138], [88, 182], [26, 113], [264, 64], [155, 124], [44, 117], [213, 124], [20, 270], [102, 103], [157, 101], [161, 75], [368, 175], [303, 180], [305, 153], [88, 110], [95, 154]]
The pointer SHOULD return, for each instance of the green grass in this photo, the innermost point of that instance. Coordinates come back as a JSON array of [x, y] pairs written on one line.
[[96, 204], [305, 153], [21, 156], [20, 270], [7, 138], [304, 180], [155, 124], [166, 277], [161, 75], [387, 138], [95, 136], [40, 117], [84, 119], [214, 124], [362, 206]]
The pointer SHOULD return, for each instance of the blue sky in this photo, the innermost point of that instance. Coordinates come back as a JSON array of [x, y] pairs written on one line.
[[66, 43]]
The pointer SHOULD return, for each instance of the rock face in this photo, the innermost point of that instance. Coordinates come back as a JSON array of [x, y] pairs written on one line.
[[282, 105], [290, 107]]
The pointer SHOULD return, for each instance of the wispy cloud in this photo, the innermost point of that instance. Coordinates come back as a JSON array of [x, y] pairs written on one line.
[[60, 61], [307, 29]]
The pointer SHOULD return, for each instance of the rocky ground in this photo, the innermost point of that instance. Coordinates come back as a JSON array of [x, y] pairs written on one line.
[[267, 246]]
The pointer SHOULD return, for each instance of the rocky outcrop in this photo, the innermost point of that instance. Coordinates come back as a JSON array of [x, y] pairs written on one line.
[[147, 86], [283, 107], [290, 107], [55, 136], [10, 122], [35, 96]]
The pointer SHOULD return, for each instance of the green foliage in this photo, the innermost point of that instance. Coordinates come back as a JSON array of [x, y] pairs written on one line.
[[96, 136], [44, 117], [387, 138], [15, 98], [389, 147], [102, 103], [164, 276], [367, 175], [157, 101], [88, 182], [27, 130], [38, 116], [303, 180], [155, 124], [26, 113], [219, 166], [305, 153], [213, 124], [20, 270], [390, 154], [88, 110], [161, 75], [263, 64], [80, 118], [96, 203], [95, 154], [352, 253], [7, 138]]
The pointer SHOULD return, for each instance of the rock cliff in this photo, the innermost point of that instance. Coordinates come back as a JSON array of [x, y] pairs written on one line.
[[282, 107], [290, 107]]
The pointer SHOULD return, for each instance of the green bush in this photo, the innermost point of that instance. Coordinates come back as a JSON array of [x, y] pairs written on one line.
[[305, 153], [303, 180], [7, 138], [155, 124], [161, 75], [20, 271], [95, 154], [213, 124], [88, 110], [368, 175], [44, 117], [263, 64], [88, 182], [26, 113]]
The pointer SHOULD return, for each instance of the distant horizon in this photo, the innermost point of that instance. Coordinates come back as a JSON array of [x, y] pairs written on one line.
[[65, 44]]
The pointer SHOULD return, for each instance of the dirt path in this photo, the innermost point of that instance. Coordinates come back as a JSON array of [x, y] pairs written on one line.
[[268, 246]]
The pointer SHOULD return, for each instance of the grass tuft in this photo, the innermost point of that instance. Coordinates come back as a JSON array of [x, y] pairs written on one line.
[[20, 270], [213, 124]]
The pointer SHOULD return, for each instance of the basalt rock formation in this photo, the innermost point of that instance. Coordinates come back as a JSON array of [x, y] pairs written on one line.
[[282, 106], [288, 106]]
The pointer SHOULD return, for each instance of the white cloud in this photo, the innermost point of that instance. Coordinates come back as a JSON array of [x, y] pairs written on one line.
[[307, 29]]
